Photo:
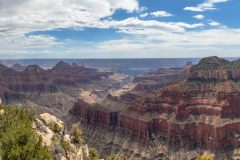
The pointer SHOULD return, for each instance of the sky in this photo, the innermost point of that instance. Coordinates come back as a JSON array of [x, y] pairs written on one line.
[[119, 28]]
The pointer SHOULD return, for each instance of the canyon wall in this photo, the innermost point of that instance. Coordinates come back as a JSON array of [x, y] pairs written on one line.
[[198, 111], [52, 90]]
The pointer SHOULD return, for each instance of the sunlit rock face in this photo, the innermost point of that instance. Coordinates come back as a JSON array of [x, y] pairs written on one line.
[[215, 69], [52, 138], [201, 110]]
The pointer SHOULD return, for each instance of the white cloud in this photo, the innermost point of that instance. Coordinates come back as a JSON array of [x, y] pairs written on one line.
[[133, 24], [143, 15], [161, 14], [214, 23], [18, 18], [190, 44], [128, 5], [157, 38], [156, 14], [207, 5], [194, 9], [199, 16]]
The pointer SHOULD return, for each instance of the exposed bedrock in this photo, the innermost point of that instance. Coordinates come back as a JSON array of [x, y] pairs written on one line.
[[214, 68], [199, 111], [190, 133]]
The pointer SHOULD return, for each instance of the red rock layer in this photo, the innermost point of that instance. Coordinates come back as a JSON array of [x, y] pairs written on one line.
[[183, 133], [190, 113]]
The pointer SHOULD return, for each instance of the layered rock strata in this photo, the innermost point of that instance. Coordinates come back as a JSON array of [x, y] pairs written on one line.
[[200, 111], [54, 90]]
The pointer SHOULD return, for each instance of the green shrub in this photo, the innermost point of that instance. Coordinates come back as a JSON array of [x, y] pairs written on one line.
[[55, 128], [93, 154], [17, 138], [204, 157], [66, 147]]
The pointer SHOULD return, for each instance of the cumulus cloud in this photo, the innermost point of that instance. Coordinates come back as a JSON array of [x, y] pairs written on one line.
[[50, 14], [156, 14], [18, 19], [199, 16], [214, 23], [207, 5]]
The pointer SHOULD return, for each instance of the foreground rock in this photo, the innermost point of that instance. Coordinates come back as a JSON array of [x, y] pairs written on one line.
[[49, 120], [200, 112], [52, 131]]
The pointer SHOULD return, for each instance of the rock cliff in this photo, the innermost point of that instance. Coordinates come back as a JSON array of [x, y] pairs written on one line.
[[198, 111], [52, 131]]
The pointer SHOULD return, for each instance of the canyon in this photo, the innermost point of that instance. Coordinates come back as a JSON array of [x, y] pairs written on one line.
[[170, 114], [54, 90]]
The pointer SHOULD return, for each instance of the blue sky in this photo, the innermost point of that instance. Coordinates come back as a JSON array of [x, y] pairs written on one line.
[[119, 29]]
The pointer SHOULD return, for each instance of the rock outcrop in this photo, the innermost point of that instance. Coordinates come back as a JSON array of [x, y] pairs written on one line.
[[53, 138], [200, 111], [215, 69]]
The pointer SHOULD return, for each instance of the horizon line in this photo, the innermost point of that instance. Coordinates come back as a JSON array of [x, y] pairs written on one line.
[[111, 58]]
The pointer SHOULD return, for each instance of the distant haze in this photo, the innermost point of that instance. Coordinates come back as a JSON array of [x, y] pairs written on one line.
[[128, 66]]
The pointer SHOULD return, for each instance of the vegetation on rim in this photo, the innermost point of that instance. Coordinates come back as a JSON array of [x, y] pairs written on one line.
[[18, 140]]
